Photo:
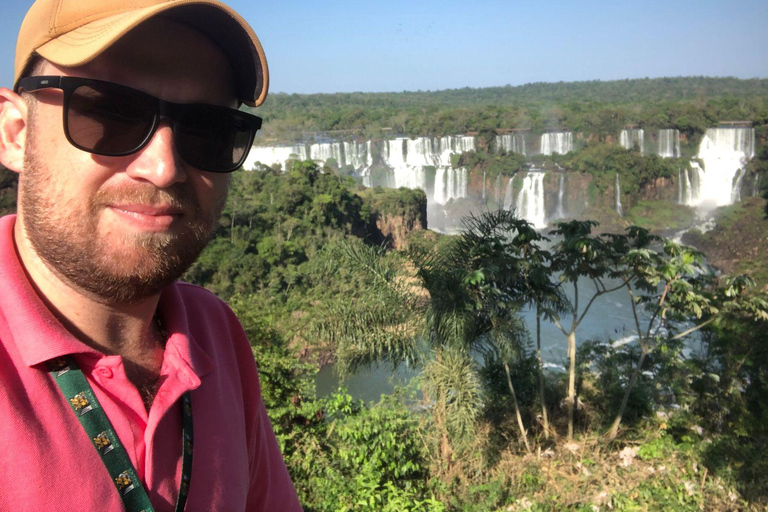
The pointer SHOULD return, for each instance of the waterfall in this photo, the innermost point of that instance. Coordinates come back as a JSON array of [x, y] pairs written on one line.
[[450, 184], [688, 199], [483, 184], [556, 142], [680, 186], [274, 155], [669, 143], [530, 200], [632, 137], [357, 155], [723, 152], [327, 150], [511, 143], [736, 192], [560, 194], [497, 189], [408, 158], [619, 209], [508, 205]]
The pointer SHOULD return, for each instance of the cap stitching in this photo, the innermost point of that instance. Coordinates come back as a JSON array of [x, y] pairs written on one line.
[[91, 36], [52, 26], [106, 14]]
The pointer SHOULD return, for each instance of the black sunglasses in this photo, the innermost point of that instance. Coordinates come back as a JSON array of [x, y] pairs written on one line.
[[109, 119]]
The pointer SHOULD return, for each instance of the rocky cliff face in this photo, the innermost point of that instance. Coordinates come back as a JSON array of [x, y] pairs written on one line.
[[395, 230], [661, 189], [395, 215]]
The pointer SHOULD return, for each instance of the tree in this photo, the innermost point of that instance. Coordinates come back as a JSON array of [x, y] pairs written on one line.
[[579, 255], [460, 300], [674, 286]]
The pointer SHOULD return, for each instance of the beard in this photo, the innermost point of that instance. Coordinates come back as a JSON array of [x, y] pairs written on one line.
[[115, 267]]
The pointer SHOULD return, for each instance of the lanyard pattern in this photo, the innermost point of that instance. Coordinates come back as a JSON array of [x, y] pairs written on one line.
[[94, 421]]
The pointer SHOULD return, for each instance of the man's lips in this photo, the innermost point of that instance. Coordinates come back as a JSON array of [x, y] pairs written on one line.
[[148, 217]]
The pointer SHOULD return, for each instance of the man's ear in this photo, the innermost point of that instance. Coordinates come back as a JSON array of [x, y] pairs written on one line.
[[13, 129]]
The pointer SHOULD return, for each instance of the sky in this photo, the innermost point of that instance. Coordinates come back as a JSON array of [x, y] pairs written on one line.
[[332, 46]]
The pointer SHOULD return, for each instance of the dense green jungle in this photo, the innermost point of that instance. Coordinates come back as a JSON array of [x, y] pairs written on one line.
[[598, 108], [321, 269]]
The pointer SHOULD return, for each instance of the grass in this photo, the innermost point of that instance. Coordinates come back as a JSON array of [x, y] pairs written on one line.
[[653, 468]]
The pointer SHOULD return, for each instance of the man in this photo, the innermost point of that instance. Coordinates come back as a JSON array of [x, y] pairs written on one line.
[[120, 388]]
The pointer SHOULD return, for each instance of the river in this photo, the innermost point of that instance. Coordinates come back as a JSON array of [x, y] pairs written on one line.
[[609, 318]]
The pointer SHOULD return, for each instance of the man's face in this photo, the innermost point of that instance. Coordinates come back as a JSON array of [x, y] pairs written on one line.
[[122, 228]]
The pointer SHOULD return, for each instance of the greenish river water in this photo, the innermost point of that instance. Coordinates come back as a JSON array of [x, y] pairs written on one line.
[[609, 318]]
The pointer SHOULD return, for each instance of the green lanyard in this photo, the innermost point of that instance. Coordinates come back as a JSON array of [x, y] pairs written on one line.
[[82, 400]]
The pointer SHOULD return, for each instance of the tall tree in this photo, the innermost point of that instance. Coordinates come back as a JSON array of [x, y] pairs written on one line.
[[579, 256], [674, 287]]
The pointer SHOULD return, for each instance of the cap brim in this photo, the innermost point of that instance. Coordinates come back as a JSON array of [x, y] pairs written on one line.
[[216, 20]]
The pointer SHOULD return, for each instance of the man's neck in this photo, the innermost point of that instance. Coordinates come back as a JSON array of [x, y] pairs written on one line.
[[132, 331]]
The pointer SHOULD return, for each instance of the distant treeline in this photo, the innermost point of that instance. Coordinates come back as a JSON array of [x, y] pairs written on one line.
[[601, 109]]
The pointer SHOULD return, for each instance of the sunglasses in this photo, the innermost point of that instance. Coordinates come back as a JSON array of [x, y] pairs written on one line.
[[109, 119]]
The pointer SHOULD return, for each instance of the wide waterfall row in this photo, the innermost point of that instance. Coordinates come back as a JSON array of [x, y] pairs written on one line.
[[669, 144], [511, 143], [358, 155], [428, 151], [631, 138], [716, 179], [556, 142]]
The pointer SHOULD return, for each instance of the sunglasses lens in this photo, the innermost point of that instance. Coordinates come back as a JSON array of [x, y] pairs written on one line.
[[109, 120], [210, 138]]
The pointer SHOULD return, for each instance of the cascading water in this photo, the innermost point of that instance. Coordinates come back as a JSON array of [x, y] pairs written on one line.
[[450, 183], [669, 143], [556, 142], [274, 155], [619, 209], [497, 189], [560, 195], [511, 143], [632, 137], [723, 152], [326, 150], [408, 158], [508, 198], [530, 200]]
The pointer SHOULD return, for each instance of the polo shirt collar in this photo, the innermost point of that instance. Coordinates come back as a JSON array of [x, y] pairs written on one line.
[[40, 337]]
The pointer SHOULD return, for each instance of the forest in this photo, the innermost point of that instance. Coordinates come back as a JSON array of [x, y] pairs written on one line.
[[322, 270], [648, 425], [690, 104]]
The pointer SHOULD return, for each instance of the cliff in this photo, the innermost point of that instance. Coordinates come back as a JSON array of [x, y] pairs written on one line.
[[394, 214]]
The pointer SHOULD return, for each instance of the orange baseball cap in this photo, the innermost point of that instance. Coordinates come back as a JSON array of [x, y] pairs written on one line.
[[74, 32]]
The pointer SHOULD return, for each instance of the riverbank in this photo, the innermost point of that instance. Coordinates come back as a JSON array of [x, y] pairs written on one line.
[[738, 244]]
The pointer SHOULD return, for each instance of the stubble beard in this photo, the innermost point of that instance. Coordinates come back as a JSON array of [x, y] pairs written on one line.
[[115, 267]]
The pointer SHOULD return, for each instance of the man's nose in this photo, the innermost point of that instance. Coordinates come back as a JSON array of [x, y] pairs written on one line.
[[159, 162]]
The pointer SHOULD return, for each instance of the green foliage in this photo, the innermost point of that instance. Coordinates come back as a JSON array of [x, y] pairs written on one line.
[[363, 459], [493, 164], [8, 184], [274, 229], [410, 204], [605, 161], [601, 108]]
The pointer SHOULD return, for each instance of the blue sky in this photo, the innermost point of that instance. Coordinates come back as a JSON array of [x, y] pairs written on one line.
[[334, 46]]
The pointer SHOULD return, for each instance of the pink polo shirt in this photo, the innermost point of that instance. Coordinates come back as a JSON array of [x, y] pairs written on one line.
[[47, 462]]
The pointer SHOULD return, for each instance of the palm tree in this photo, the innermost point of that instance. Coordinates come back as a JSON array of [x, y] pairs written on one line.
[[436, 309]]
